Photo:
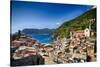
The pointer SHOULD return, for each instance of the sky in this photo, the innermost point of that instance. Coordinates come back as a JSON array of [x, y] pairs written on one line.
[[40, 15]]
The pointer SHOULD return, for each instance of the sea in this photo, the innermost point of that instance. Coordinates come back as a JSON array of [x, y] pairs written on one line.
[[42, 38]]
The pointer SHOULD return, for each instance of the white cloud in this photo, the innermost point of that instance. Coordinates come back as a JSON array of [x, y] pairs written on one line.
[[57, 23], [94, 6]]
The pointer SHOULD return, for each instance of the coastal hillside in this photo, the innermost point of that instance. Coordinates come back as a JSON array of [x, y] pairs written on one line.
[[81, 22]]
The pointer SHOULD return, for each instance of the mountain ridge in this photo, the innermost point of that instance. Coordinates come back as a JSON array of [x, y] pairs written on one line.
[[81, 22], [37, 31]]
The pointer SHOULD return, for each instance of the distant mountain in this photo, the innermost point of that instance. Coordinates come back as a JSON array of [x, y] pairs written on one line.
[[38, 31], [81, 22]]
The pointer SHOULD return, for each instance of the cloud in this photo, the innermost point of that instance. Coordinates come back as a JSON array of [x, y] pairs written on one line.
[[57, 23], [94, 6]]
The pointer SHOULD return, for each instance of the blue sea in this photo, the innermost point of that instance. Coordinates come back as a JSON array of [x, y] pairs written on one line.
[[47, 38]]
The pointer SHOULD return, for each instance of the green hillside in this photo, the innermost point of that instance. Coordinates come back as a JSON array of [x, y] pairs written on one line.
[[80, 22]]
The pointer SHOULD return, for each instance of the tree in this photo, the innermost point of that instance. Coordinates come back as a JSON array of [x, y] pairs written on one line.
[[19, 33]]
